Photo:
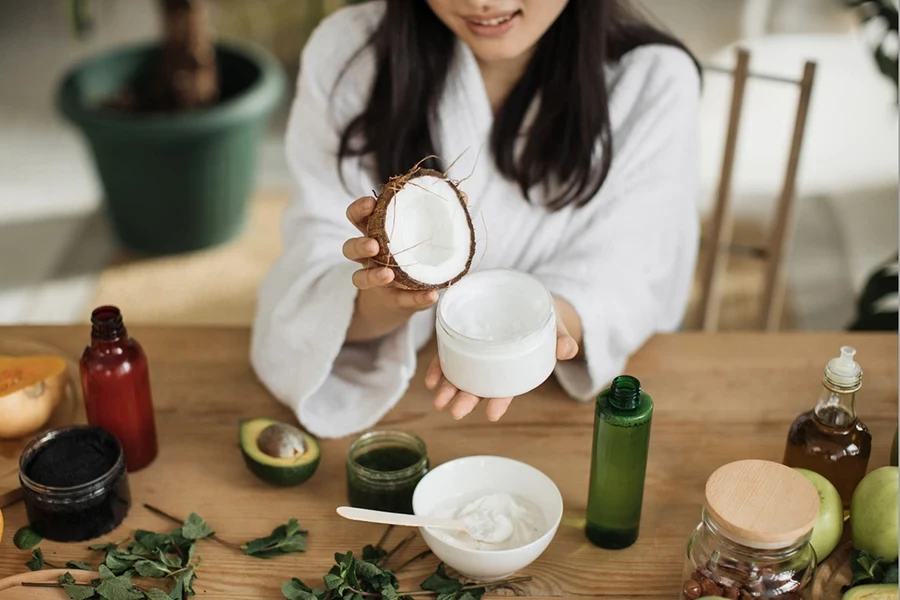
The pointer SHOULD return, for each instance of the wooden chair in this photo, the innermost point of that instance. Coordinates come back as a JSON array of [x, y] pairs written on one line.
[[717, 245]]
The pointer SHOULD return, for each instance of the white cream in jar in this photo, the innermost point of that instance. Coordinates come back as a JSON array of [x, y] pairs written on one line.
[[496, 333], [511, 520]]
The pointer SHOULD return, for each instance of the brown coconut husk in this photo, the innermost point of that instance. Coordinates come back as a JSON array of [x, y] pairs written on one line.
[[378, 229]]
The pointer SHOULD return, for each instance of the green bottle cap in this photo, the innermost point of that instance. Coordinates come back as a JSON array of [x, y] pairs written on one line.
[[625, 392]]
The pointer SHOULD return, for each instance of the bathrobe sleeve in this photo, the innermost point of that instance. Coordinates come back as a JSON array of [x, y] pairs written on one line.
[[306, 301], [628, 267]]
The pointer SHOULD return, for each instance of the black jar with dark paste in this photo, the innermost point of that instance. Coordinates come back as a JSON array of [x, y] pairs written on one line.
[[383, 470], [74, 483]]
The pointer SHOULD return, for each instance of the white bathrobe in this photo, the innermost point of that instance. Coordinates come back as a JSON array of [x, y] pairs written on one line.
[[625, 261]]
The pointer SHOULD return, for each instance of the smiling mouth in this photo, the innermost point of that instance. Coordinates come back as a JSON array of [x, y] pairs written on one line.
[[495, 21]]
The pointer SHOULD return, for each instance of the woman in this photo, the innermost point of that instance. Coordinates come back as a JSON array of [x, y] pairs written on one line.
[[576, 125]]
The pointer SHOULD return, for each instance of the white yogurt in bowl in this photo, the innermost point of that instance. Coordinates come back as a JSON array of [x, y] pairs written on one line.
[[496, 333], [491, 493]]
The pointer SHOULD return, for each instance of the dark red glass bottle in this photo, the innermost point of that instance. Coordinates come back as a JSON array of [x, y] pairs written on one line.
[[116, 385]]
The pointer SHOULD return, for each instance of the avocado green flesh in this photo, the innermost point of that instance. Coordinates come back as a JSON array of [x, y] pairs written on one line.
[[288, 471], [881, 591]]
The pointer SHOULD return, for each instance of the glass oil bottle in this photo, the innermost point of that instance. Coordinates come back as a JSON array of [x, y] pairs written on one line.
[[618, 464], [830, 439]]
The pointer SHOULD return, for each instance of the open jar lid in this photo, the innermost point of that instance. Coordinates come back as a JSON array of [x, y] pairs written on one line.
[[761, 504]]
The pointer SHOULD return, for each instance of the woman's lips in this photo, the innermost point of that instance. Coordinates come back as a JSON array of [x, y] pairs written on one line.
[[493, 25]]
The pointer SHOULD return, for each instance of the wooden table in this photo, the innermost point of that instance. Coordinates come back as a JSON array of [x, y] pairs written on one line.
[[718, 398]]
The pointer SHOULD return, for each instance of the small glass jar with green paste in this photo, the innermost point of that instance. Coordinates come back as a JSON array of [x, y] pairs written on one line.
[[383, 469]]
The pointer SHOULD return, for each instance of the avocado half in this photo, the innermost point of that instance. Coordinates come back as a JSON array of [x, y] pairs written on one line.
[[881, 591], [286, 470]]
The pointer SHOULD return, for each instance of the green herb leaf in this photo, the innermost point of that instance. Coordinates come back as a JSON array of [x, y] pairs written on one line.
[[150, 542], [151, 568], [66, 578], [890, 573], [195, 528], [367, 570], [107, 547], [333, 582], [373, 554], [157, 594], [119, 588], [105, 573], [26, 538], [77, 564], [186, 578], [865, 568], [283, 539], [177, 592], [297, 590], [441, 583], [79, 592], [173, 561], [119, 562], [37, 560]]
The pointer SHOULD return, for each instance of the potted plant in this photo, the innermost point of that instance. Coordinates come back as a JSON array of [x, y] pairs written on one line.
[[173, 128]]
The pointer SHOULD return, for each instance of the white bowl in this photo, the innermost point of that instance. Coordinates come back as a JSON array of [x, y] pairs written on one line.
[[473, 475]]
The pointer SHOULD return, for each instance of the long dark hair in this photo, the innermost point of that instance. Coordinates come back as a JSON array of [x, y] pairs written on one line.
[[413, 51]]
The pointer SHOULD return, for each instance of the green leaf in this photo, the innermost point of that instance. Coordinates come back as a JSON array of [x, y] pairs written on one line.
[[151, 541], [296, 543], [107, 547], [37, 560], [373, 554], [157, 594], [333, 582], [26, 538], [186, 578], [66, 578], [173, 561], [105, 573], [890, 573], [119, 562], [77, 564], [79, 592], [195, 528], [441, 583], [119, 588], [367, 569], [297, 590], [292, 528], [177, 592], [151, 568], [389, 593]]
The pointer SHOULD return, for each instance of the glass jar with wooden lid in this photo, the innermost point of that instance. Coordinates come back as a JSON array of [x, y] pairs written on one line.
[[753, 540]]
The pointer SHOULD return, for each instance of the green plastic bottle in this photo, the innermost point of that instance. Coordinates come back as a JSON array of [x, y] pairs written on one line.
[[618, 463]]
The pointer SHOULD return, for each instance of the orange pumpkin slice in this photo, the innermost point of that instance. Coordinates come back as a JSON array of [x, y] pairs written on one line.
[[31, 387]]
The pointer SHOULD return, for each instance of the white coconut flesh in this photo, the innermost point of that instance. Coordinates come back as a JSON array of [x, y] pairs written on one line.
[[428, 230]]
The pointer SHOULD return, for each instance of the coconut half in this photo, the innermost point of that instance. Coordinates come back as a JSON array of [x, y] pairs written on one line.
[[424, 230]]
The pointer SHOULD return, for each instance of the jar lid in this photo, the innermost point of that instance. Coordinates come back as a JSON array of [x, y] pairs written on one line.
[[761, 504]]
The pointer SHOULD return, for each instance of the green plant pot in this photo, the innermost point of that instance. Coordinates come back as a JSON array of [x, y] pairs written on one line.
[[175, 182]]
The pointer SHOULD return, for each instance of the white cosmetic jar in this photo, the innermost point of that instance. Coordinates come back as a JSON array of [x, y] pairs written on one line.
[[496, 333]]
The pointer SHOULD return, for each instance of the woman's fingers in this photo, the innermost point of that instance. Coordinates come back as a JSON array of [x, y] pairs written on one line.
[[566, 346], [444, 395], [360, 249], [464, 404], [365, 279], [359, 211], [433, 375], [414, 300], [496, 408]]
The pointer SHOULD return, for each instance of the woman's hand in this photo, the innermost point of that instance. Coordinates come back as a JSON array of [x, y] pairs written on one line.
[[382, 305], [464, 403]]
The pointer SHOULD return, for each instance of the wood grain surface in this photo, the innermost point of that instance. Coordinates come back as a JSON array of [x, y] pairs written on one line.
[[719, 398]]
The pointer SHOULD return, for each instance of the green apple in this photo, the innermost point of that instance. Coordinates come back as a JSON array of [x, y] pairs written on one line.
[[873, 513], [830, 523]]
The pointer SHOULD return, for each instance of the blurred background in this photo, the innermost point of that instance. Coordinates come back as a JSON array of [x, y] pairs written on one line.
[[61, 254]]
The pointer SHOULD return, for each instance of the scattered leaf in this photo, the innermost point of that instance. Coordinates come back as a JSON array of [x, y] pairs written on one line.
[[79, 592], [37, 560], [157, 594], [195, 528], [77, 564], [151, 568], [26, 538]]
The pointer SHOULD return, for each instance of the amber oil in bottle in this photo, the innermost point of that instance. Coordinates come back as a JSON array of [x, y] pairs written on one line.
[[830, 439]]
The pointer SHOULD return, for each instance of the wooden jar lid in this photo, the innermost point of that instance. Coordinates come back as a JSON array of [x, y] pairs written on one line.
[[761, 504]]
